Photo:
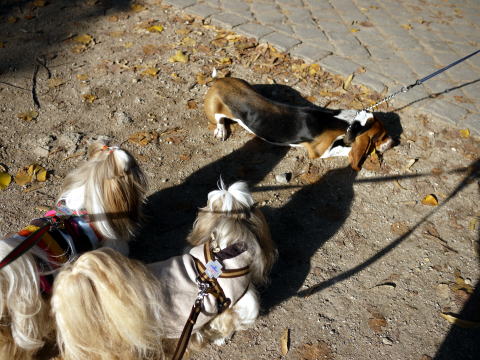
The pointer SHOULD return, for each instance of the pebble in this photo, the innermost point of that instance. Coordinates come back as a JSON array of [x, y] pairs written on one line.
[[387, 341], [283, 178]]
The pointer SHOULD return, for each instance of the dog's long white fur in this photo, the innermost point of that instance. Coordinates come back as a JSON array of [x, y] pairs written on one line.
[[24, 313], [85, 290]]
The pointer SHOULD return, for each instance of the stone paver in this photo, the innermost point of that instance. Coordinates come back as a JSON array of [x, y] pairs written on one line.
[[396, 42]]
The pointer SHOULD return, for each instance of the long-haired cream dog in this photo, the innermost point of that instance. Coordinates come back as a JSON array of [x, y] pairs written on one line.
[[99, 205], [109, 307]]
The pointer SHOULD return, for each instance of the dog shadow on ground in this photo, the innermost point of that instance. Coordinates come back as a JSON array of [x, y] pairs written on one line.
[[311, 217], [172, 211]]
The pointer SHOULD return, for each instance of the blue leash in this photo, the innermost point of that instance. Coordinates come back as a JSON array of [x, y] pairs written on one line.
[[419, 81]]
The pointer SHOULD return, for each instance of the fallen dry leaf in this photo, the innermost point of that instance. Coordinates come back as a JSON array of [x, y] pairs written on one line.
[[84, 39], [5, 180], [318, 351], [430, 200], [464, 133], [24, 176], [128, 45], [55, 82], [175, 140], [354, 30], [314, 69], [41, 175], [12, 19], [184, 157], [155, 29], [28, 116], [89, 98], [137, 7], [285, 342], [377, 322], [473, 223], [202, 79], [399, 228], [150, 72], [366, 24], [460, 284], [348, 82], [188, 41], [179, 56], [82, 77], [143, 138], [466, 324], [410, 163], [407, 26], [192, 104]]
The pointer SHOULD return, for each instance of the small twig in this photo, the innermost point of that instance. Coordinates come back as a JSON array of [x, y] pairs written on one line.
[[34, 86], [13, 85]]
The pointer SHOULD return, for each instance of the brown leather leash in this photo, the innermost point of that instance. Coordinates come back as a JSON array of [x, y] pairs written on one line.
[[208, 284]]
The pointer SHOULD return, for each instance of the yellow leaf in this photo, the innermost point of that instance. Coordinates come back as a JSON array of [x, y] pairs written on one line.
[[137, 7], [84, 39], [128, 45], [155, 28], [151, 72], [407, 26], [179, 57], [285, 342], [464, 133], [314, 69], [460, 322], [12, 19], [28, 116], [224, 61], [82, 77], [5, 180], [42, 175], [430, 200], [348, 82], [188, 41], [55, 82], [89, 98], [202, 79], [23, 177], [353, 30], [473, 223]]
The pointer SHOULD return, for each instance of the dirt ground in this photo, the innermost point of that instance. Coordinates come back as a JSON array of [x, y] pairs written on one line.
[[366, 270]]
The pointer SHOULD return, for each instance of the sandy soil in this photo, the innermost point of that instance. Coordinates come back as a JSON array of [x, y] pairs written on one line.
[[365, 268]]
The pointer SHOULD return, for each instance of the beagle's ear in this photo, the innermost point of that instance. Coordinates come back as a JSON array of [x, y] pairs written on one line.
[[360, 150]]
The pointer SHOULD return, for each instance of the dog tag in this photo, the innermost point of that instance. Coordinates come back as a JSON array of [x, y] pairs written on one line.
[[213, 269]]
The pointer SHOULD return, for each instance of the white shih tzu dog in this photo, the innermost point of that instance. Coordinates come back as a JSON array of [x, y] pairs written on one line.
[[99, 205], [109, 307]]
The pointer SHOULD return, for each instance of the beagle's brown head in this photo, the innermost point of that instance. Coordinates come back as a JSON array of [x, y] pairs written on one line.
[[374, 137]]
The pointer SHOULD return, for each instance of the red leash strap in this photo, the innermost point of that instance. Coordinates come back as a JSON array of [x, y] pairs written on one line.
[[25, 245]]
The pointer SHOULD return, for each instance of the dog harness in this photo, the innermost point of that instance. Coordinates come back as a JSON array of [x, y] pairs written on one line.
[[61, 234], [211, 278], [208, 284]]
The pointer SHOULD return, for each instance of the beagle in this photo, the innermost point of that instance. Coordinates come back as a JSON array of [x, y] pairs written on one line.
[[322, 132]]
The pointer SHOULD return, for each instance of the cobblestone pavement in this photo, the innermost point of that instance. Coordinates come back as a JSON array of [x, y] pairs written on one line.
[[395, 42]]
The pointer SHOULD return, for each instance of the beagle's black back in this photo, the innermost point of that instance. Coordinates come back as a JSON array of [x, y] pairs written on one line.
[[283, 124]]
